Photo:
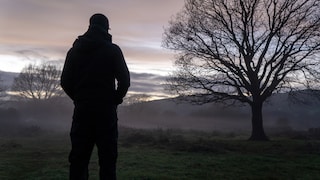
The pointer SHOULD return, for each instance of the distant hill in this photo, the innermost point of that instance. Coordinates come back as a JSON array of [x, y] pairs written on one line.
[[280, 112], [7, 77]]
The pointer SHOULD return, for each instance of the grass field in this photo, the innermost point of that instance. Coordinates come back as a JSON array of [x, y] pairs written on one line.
[[164, 155]]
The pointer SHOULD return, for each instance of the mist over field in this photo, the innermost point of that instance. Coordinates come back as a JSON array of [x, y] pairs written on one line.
[[280, 114]]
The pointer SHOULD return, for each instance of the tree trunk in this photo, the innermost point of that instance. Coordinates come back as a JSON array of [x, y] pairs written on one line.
[[257, 133]]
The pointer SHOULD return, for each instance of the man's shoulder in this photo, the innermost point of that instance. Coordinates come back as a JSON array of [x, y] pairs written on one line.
[[113, 47]]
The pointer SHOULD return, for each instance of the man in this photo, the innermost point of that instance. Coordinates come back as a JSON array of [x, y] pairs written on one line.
[[92, 67]]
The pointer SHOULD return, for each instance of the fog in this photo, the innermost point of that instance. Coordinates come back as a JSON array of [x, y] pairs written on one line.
[[280, 114], [55, 115]]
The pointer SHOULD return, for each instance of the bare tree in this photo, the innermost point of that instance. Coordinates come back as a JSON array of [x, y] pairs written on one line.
[[38, 82], [244, 50]]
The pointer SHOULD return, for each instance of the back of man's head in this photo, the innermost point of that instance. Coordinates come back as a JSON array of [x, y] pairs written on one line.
[[99, 20]]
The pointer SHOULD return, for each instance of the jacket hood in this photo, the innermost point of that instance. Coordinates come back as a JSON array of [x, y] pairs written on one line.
[[93, 39]]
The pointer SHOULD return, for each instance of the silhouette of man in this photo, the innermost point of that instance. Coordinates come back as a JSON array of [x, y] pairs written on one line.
[[92, 65]]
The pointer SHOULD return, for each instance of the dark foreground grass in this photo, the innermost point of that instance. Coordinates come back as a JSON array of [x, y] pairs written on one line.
[[164, 155]]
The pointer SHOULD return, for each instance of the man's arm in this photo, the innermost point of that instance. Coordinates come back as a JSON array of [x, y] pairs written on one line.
[[122, 75], [66, 81]]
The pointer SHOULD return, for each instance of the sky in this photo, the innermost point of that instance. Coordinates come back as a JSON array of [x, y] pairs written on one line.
[[37, 31]]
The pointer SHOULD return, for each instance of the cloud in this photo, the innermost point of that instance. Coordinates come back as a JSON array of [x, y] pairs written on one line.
[[49, 28], [141, 83], [147, 83]]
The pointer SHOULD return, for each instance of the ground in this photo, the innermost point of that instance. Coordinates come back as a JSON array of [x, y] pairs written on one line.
[[168, 155]]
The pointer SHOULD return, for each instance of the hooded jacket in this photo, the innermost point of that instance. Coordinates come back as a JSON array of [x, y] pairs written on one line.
[[93, 66]]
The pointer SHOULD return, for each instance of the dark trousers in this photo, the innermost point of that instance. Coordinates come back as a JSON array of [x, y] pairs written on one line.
[[93, 124]]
